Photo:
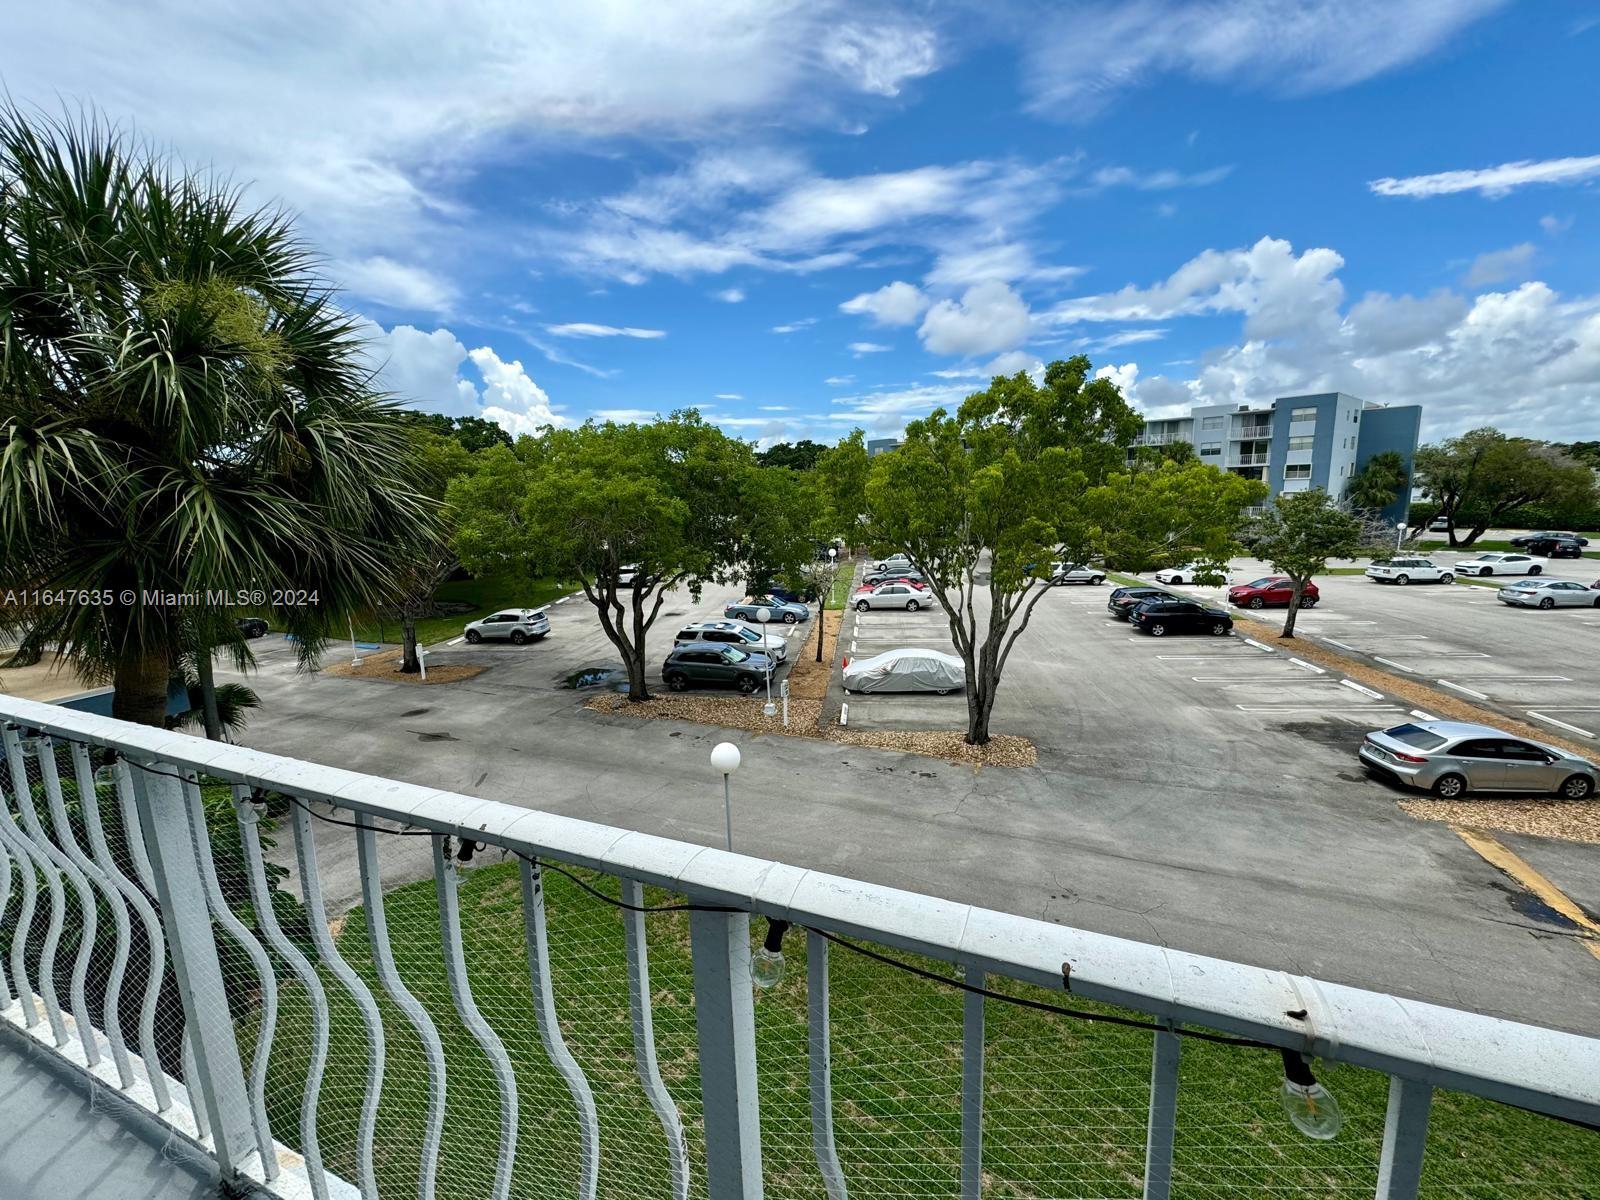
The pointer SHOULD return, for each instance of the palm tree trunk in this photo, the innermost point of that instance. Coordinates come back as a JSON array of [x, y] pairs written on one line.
[[408, 640], [141, 688], [208, 693]]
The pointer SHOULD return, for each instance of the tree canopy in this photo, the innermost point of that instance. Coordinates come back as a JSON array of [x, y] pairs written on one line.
[[1168, 515], [1299, 533], [183, 412], [798, 456], [1484, 478], [1380, 482], [984, 499]]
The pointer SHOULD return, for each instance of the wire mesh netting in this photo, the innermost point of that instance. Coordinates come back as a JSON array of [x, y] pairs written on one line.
[[1064, 1101]]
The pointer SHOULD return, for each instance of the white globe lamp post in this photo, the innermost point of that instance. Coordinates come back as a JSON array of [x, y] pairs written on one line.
[[764, 614], [725, 758]]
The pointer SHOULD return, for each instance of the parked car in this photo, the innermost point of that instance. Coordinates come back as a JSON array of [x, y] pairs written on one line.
[[895, 562], [781, 610], [894, 595], [920, 585], [1159, 617], [626, 574], [788, 595], [514, 625], [1536, 535], [1061, 573], [1554, 547], [903, 574], [1121, 600], [1452, 758], [1439, 525], [1272, 590], [1188, 573], [715, 666], [1497, 563], [733, 633], [1549, 593], [1409, 570], [906, 670], [252, 627]]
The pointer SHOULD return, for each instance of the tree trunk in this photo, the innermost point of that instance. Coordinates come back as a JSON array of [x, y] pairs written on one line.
[[822, 612], [638, 690], [208, 692], [1294, 610], [980, 703], [141, 688], [408, 641]]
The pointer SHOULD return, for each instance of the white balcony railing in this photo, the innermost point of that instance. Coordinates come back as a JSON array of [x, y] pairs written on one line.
[[383, 1053]]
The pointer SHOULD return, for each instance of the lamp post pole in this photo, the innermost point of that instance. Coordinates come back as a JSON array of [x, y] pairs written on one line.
[[725, 758], [764, 614], [822, 601]]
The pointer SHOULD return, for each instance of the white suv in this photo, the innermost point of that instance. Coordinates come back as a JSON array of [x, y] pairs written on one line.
[[1408, 570], [734, 633], [514, 625], [1062, 572]]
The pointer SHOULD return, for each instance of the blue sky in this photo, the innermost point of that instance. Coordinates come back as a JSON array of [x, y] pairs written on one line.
[[801, 218]]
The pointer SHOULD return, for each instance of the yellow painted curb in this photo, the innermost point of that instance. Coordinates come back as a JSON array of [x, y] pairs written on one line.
[[1501, 857]]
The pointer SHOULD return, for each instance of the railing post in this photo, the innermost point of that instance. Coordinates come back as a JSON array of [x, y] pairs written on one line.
[[1405, 1137], [170, 840], [972, 1087], [725, 1023], [1163, 1124]]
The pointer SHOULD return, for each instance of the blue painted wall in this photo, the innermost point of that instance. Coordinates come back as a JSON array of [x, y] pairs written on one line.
[[1394, 428]]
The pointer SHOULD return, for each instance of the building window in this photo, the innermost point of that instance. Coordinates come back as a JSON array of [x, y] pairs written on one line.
[[1297, 471], [1211, 423], [1302, 443], [1303, 414], [1210, 449]]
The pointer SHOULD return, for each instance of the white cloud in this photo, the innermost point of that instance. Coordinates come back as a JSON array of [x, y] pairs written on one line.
[[624, 416], [1156, 181], [1007, 261], [1081, 58], [879, 58], [1498, 266], [1526, 360], [1492, 181], [889, 410], [1127, 337], [1126, 377], [394, 284], [421, 369], [839, 380], [897, 303], [774, 408], [583, 329], [1011, 362], [990, 316], [730, 295], [794, 326], [510, 395], [860, 348], [1552, 225], [729, 396]]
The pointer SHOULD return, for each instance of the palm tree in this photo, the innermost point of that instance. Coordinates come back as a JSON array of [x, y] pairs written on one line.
[[186, 423]]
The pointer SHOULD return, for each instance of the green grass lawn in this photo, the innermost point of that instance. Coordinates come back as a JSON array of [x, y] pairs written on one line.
[[1065, 1101], [1484, 544], [485, 595], [840, 595]]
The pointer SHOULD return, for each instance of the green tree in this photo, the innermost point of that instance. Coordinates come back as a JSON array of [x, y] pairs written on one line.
[[798, 456], [1171, 514], [182, 410], [1484, 478], [1298, 534], [840, 482], [1380, 481], [584, 503], [424, 563], [983, 500]]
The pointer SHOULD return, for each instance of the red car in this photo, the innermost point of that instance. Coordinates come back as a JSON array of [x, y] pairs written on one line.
[[1272, 590], [911, 583]]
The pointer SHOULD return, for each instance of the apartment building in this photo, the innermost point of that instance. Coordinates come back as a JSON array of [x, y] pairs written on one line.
[[1297, 442]]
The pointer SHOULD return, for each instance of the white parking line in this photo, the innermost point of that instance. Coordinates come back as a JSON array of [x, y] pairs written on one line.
[[1520, 678], [1365, 691], [1300, 662], [1422, 716], [1456, 687], [456, 641], [1230, 679], [1562, 724], [1258, 645], [1341, 645], [1389, 662], [1317, 708]]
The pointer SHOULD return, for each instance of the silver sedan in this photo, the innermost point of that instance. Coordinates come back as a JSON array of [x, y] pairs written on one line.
[[1549, 593], [894, 595], [1452, 758]]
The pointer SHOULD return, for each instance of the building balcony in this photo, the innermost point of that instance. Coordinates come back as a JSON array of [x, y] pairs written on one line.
[[530, 1005], [1251, 460]]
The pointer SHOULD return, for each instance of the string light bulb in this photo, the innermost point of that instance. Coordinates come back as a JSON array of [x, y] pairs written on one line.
[[1310, 1107], [766, 964]]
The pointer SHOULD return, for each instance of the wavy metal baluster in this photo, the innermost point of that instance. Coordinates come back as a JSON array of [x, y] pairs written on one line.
[[261, 897], [389, 977], [555, 1046], [5, 899], [446, 884], [821, 1063], [644, 1037], [45, 755], [240, 933], [67, 839], [305, 850], [191, 1089], [154, 941], [39, 863]]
